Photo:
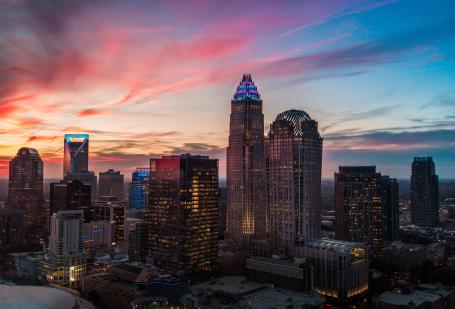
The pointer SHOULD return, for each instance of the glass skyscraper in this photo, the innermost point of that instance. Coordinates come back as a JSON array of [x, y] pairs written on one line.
[[139, 188], [184, 213], [75, 158], [424, 192], [246, 175], [294, 158], [25, 191]]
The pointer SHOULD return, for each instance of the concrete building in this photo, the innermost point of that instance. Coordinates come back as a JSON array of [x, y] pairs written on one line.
[[110, 183], [97, 236], [111, 209]]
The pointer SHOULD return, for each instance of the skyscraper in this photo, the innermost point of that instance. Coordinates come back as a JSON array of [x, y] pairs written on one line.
[[110, 183], [294, 158], [390, 209], [424, 192], [25, 191], [71, 195], [184, 213], [110, 208], [139, 188], [358, 206], [75, 153], [246, 175]]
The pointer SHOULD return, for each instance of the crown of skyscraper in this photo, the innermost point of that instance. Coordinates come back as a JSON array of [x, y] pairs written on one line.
[[246, 89]]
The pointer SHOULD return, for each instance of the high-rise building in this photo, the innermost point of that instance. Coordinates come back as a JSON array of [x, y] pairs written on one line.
[[110, 183], [75, 153], [11, 229], [86, 177], [97, 235], [139, 188], [294, 158], [110, 208], [184, 213], [67, 262], [358, 206], [424, 192], [25, 191], [71, 195], [137, 236], [340, 268], [246, 174], [390, 209]]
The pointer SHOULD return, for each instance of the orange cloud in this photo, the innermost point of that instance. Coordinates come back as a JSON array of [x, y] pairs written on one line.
[[88, 112]]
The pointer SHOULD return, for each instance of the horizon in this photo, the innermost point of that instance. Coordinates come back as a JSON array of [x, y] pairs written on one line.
[[150, 79]]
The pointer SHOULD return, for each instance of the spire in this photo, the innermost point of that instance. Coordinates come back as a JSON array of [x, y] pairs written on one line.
[[246, 90]]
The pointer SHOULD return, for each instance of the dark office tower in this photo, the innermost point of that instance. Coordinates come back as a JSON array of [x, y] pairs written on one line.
[[75, 154], [25, 191], [390, 209], [358, 206], [424, 192], [138, 240], [11, 230], [71, 195], [139, 188], [184, 213], [110, 183], [246, 175], [294, 159]]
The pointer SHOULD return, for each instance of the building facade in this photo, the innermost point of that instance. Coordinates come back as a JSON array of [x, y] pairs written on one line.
[[110, 183], [424, 192], [110, 208], [340, 268], [139, 188], [358, 206], [293, 160], [390, 209], [75, 157], [71, 195], [184, 213], [246, 174], [25, 191], [11, 229]]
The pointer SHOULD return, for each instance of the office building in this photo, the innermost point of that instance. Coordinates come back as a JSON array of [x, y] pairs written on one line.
[[136, 236], [97, 236], [67, 261], [25, 191], [139, 188], [11, 229], [246, 174], [184, 213], [424, 192], [358, 206], [85, 177], [75, 157], [390, 209], [340, 268], [293, 160], [71, 195], [110, 183], [110, 208]]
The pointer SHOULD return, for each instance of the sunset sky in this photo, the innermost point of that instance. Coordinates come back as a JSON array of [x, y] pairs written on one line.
[[146, 78]]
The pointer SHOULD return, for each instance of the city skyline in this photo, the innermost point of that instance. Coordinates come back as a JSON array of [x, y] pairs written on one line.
[[151, 85]]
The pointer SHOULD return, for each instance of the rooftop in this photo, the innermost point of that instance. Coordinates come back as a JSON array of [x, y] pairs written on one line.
[[246, 90]]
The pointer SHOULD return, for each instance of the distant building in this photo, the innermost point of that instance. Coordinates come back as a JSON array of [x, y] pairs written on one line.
[[67, 261], [109, 208], [75, 158], [246, 174], [340, 268], [424, 192], [25, 191], [71, 195], [86, 177], [405, 256], [184, 213], [139, 188], [110, 183], [11, 229], [294, 158], [358, 206], [390, 209], [136, 236]]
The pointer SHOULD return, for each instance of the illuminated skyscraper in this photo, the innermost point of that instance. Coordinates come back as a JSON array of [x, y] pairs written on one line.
[[424, 192], [183, 206], [75, 158], [25, 191], [358, 208], [294, 158], [139, 188], [246, 175]]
